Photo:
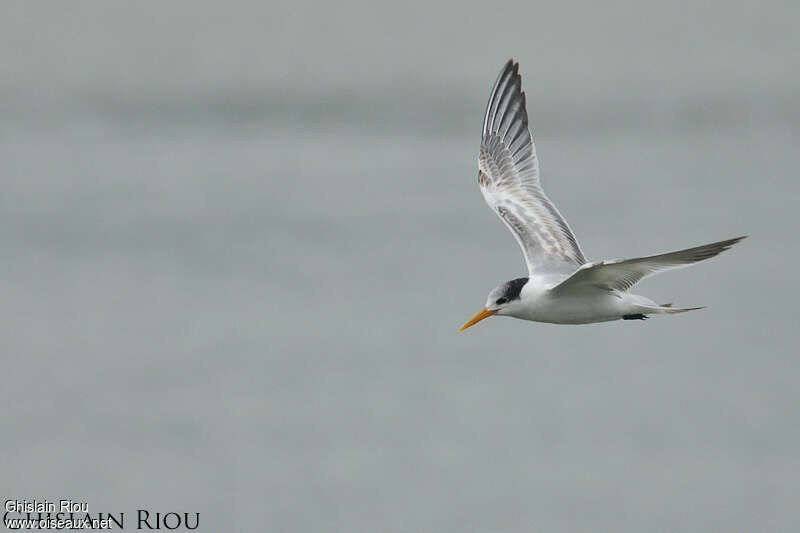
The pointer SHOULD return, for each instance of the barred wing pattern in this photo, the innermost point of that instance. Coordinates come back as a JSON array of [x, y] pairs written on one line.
[[508, 175]]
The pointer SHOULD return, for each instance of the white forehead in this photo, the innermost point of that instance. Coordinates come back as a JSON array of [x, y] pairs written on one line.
[[498, 291]]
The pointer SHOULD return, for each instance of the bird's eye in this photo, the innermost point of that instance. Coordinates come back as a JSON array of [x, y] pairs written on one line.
[[501, 301]]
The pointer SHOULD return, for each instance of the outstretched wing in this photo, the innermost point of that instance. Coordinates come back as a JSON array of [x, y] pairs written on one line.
[[508, 174], [622, 274]]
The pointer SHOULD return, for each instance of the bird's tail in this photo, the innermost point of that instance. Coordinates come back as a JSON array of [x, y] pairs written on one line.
[[667, 309]]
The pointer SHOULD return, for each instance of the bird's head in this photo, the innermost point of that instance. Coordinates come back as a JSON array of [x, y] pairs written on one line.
[[502, 300]]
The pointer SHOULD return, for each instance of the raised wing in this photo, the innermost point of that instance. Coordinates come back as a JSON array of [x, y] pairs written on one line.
[[622, 274], [508, 174]]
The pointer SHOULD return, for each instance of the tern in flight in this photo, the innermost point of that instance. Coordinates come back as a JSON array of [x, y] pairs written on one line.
[[562, 287]]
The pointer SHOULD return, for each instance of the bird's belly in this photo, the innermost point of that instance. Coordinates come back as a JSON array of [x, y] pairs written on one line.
[[601, 306]]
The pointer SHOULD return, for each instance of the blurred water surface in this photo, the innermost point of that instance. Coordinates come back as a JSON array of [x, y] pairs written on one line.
[[238, 243]]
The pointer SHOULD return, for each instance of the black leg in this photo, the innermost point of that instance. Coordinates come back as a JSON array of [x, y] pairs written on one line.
[[634, 317]]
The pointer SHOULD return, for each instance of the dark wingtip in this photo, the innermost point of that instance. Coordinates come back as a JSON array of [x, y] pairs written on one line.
[[730, 242], [511, 65]]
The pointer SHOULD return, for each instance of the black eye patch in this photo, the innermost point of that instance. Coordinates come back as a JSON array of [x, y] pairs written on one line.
[[501, 301]]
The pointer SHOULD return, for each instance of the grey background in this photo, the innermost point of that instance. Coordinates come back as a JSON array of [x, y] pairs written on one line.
[[238, 240]]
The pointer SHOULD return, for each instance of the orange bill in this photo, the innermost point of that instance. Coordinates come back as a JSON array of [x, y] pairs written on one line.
[[480, 315]]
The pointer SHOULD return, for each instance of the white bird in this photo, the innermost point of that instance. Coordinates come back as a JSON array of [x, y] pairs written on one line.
[[561, 287]]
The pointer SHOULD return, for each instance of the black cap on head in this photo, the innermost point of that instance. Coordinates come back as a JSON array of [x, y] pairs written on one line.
[[514, 287]]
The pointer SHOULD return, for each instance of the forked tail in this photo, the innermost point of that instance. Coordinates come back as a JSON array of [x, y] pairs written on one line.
[[667, 309]]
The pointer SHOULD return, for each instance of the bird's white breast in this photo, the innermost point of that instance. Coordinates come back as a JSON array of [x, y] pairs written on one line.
[[539, 304]]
